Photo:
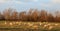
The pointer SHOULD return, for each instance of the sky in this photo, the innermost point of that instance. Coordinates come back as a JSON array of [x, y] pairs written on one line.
[[21, 5]]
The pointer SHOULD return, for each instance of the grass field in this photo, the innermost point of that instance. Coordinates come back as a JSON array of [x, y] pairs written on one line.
[[28, 26]]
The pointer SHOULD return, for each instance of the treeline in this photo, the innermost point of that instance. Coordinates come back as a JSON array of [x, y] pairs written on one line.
[[32, 15]]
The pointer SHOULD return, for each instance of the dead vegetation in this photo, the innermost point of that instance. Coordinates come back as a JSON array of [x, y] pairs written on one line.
[[33, 15]]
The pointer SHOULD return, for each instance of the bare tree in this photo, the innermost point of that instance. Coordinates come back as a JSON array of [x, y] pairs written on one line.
[[35, 15], [22, 16], [14, 15], [7, 13], [50, 18], [43, 15], [1, 16]]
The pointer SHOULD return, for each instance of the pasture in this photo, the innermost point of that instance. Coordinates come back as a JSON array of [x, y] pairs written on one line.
[[28, 26]]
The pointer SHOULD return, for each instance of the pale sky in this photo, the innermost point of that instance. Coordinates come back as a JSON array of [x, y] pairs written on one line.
[[51, 5]]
